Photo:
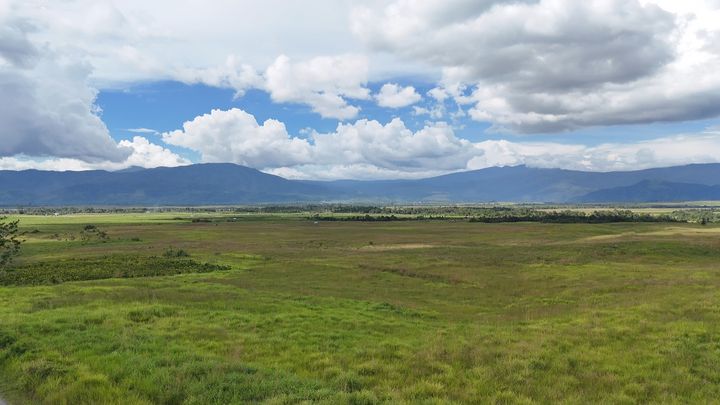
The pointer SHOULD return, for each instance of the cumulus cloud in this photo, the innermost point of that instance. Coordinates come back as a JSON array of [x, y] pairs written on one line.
[[147, 154], [143, 154], [232, 74], [324, 83], [235, 136], [395, 96], [553, 65], [48, 107], [661, 152], [393, 146], [368, 149]]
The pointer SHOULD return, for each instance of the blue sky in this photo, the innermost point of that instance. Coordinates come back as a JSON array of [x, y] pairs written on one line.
[[360, 89], [164, 106]]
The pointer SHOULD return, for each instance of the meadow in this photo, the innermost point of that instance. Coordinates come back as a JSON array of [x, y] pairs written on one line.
[[188, 308]]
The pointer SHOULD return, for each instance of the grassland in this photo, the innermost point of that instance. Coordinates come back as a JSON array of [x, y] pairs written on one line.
[[363, 312]]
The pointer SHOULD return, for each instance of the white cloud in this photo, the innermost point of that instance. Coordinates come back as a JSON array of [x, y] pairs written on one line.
[[553, 65], [527, 43], [232, 74], [393, 146], [526, 66], [143, 154], [356, 171], [661, 152], [369, 149], [138, 40], [48, 107], [392, 95], [529, 60], [324, 83], [143, 131], [437, 112], [134, 40], [439, 94], [148, 154], [235, 136]]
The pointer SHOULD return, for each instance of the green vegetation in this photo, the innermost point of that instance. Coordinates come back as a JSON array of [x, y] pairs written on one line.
[[111, 266], [689, 211], [281, 309], [9, 241], [506, 214]]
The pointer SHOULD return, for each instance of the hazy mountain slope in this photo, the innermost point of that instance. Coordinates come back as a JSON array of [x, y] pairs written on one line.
[[207, 184], [190, 185], [521, 184], [654, 191]]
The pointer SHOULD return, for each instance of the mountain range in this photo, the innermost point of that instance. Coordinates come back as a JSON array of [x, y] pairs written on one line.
[[227, 184]]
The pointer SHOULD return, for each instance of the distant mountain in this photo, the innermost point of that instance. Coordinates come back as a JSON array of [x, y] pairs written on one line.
[[225, 184], [519, 184], [201, 184], [655, 191]]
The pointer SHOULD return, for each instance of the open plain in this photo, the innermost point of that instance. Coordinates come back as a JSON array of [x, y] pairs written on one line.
[[193, 308]]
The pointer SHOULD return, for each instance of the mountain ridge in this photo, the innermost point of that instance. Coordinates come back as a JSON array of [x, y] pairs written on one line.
[[227, 184], [655, 191]]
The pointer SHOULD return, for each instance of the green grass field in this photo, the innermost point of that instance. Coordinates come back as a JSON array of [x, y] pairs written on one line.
[[280, 309]]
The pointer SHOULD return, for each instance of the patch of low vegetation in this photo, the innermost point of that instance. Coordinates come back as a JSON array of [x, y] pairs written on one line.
[[92, 233], [700, 216], [172, 252], [110, 266], [570, 217]]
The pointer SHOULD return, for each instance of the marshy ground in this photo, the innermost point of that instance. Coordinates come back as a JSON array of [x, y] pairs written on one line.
[[281, 309]]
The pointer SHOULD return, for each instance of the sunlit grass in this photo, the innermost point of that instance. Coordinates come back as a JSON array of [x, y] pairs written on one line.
[[436, 312]]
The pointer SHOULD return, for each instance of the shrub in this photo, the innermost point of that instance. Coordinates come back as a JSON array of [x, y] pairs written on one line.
[[9, 241], [173, 252]]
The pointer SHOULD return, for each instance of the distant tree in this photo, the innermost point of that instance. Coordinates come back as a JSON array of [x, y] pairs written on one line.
[[9, 241]]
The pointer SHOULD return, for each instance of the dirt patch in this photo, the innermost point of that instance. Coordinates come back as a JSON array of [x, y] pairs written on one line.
[[404, 246], [670, 231], [684, 231], [609, 237]]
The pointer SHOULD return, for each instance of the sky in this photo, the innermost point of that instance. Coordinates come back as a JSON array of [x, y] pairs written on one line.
[[372, 89]]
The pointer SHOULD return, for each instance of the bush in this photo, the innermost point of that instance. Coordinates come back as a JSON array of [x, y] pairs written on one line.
[[173, 252], [9, 241], [92, 232]]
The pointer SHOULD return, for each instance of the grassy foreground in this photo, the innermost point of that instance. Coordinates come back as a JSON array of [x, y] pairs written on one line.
[[284, 310]]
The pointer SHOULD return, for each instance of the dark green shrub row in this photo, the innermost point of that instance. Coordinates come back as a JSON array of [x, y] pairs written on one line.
[[493, 215], [568, 216], [112, 266], [374, 218]]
